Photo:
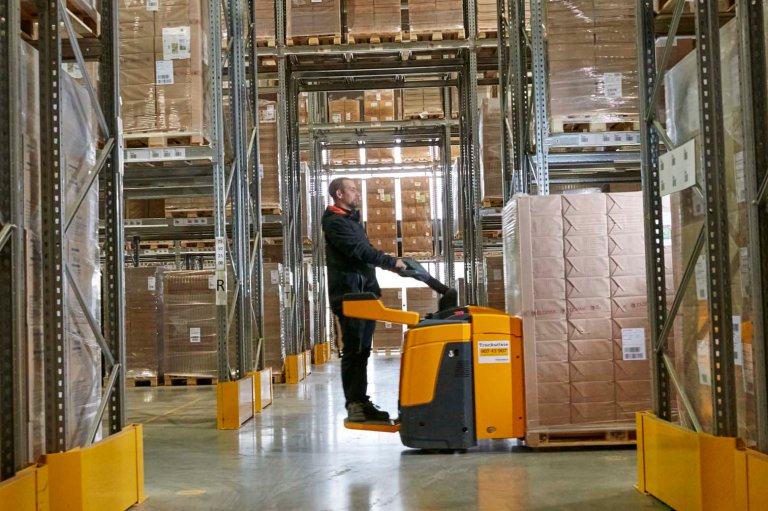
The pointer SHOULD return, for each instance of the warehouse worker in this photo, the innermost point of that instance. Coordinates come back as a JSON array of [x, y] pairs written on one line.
[[351, 261]]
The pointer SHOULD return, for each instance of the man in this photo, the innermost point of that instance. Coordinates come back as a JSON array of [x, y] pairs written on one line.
[[351, 269]]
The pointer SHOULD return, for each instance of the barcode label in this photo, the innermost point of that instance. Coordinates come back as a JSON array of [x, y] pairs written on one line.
[[387, 324], [212, 282], [613, 85], [702, 352], [633, 344], [176, 43], [194, 335], [738, 346], [151, 283], [701, 278], [153, 5], [164, 72], [741, 183]]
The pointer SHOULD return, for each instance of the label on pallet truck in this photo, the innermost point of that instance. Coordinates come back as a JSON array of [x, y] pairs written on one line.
[[493, 352]]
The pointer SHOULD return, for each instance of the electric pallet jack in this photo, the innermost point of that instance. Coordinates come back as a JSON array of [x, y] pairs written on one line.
[[461, 370]]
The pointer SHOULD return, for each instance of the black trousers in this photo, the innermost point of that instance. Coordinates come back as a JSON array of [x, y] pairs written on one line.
[[357, 336]]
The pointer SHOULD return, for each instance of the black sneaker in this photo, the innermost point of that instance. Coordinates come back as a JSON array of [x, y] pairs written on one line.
[[356, 412], [373, 412]]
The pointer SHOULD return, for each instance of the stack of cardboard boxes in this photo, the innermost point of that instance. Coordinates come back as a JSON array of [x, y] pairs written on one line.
[[490, 133], [487, 16], [592, 60], [190, 324], [308, 18], [342, 111], [162, 66], [581, 282], [412, 154], [378, 106], [422, 103], [268, 151], [416, 222], [387, 335], [381, 215], [273, 305], [143, 321], [426, 16], [422, 300], [264, 19], [373, 17], [494, 278]]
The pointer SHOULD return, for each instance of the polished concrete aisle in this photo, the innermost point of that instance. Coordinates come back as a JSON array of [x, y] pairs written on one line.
[[298, 456]]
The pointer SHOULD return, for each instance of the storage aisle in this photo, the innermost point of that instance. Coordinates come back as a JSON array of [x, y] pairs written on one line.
[[297, 455]]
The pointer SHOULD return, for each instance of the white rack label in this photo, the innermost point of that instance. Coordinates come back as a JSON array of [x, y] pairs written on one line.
[[190, 221], [701, 278], [151, 283], [677, 168], [164, 72], [633, 344], [702, 352], [613, 85], [194, 334], [493, 352], [274, 277], [741, 183], [159, 154], [153, 5], [176, 43], [212, 282], [744, 270], [738, 347]]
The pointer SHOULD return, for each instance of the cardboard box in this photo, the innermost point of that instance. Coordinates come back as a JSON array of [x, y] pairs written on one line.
[[592, 392], [595, 349], [591, 370], [591, 413]]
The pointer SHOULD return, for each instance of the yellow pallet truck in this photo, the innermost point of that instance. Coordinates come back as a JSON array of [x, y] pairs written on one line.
[[461, 372]]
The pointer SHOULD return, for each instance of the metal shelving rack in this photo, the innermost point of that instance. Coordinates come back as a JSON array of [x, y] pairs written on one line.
[[714, 233], [12, 438]]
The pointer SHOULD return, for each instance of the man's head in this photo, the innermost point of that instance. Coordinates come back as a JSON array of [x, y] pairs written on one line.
[[344, 193]]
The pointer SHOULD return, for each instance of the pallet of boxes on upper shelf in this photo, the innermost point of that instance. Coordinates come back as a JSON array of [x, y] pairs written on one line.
[[435, 20], [268, 158], [374, 22], [381, 208], [313, 22], [592, 54], [163, 70]]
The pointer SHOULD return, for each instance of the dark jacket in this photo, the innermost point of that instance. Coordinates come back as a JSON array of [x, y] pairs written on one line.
[[350, 257]]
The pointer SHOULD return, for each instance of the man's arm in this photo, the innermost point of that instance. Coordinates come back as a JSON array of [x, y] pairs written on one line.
[[342, 236]]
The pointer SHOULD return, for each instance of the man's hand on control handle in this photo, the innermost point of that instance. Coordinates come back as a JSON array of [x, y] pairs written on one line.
[[400, 265]]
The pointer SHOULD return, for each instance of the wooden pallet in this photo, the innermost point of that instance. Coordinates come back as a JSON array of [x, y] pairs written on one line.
[[493, 202], [142, 381], [271, 209], [580, 124], [386, 351], [86, 21], [199, 244], [494, 234], [189, 213], [434, 35], [313, 40], [555, 439], [265, 42], [386, 37], [418, 255], [277, 377], [423, 116], [487, 34], [178, 379], [163, 139]]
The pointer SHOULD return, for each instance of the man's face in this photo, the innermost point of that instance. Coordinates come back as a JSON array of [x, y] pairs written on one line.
[[348, 197]]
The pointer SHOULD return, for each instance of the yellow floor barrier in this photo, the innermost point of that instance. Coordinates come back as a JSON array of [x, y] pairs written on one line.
[[26, 491], [692, 471], [234, 402], [262, 389], [294, 368]]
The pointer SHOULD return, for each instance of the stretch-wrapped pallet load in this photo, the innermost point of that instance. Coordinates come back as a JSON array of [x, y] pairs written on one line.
[[422, 103], [487, 16], [378, 106], [373, 17], [33, 245], [381, 213], [494, 277], [268, 165], [692, 336], [162, 66], [190, 327], [308, 18], [273, 305], [389, 336], [416, 154], [592, 61], [435, 16], [416, 224], [264, 19], [143, 321], [81, 256], [575, 275], [490, 136]]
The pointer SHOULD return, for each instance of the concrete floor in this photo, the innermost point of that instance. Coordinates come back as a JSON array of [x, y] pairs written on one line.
[[297, 455]]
